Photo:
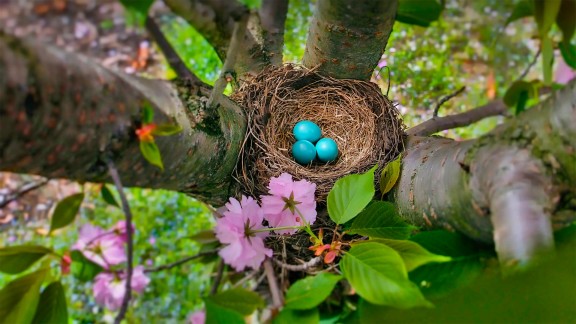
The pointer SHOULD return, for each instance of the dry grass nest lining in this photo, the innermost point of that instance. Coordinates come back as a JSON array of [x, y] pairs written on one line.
[[363, 122]]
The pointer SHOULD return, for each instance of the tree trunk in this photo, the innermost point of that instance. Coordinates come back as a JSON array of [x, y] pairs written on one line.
[[61, 113], [506, 187], [347, 38]]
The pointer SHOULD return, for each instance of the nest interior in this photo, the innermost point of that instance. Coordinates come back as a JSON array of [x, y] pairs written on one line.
[[363, 122]]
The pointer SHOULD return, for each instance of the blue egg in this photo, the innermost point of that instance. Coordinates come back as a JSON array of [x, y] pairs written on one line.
[[306, 130], [304, 152], [327, 149]]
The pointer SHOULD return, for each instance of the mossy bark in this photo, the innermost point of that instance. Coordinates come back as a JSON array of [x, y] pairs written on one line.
[[60, 113], [347, 38], [511, 187]]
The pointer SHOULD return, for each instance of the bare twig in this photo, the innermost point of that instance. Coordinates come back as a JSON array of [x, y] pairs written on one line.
[[273, 17], [446, 98], [129, 237], [227, 67], [529, 67], [23, 190], [300, 267], [171, 56], [272, 284], [218, 279], [181, 261], [437, 124]]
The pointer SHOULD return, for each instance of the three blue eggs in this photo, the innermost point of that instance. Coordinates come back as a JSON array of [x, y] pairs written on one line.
[[305, 151]]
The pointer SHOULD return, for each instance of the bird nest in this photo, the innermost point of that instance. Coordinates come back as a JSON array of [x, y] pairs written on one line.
[[363, 122]]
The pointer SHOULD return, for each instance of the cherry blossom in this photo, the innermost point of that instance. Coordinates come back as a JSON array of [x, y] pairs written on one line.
[[236, 228], [104, 248], [109, 288], [288, 202], [198, 317]]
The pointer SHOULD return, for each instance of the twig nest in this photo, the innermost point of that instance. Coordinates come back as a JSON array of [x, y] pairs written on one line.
[[364, 124]]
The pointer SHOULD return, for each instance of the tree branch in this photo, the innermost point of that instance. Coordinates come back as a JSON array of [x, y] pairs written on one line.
[[473, 186], [24, 190], [437, 124], [272, 284], [214, 19], [273, 18], [445, 99], [171, 56], [181, 261], [129, 241], [60, 110], [347, 37]]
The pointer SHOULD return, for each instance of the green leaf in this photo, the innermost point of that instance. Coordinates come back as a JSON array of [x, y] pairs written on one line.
[[147, 114], [437, 279], [568, 52], [291, 316], [565, 19], [524, 8], [546, 13], [218, 314], [380, 220], [108, 196], [151, 153], [350, 195], [241, 301], [19, 298], [309, 292], [389, 175], [418, 12], [66, 211], [204, 237], [52, 305], [166, 130], [514, 92], [547, 58], [15, 259], [138, 8], [413, 254], [82, 268], [378, 274], [522, 100]]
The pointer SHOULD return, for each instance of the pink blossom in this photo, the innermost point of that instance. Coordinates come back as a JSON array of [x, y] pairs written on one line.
[[120, 231], [99, 246], [245, 248], [198, 317], [564, 73], [109, 288], [288, 202]]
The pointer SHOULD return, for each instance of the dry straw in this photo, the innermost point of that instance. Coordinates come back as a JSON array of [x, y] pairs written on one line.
[[362, 121]]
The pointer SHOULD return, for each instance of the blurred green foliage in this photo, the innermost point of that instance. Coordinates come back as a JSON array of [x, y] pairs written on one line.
[[163, 221]]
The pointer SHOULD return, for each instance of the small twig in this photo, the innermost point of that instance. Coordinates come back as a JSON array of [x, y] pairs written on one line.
[[23, 190], [129, 244], [446, 98], [300, 267], [272, 284], [180, 262], [218, 279], [246, 278], [529, 67], [434, 125], [228, 66], [171, 56]]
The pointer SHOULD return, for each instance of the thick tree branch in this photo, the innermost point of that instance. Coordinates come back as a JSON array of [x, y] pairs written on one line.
[[347, 37], [59, 111], [214, 19], [171, 56], [273, 18], [474, 186], [437, 124]]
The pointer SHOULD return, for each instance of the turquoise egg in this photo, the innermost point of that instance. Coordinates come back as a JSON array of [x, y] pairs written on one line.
[[306, 130], [304, 152], [327, 149]]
